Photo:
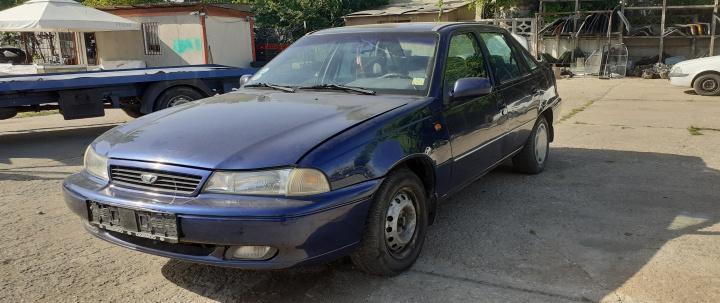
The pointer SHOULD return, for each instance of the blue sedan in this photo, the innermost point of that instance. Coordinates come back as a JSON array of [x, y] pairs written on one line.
[[342, 145]]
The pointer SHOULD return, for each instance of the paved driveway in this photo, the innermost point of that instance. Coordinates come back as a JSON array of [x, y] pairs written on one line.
[[627, 209]]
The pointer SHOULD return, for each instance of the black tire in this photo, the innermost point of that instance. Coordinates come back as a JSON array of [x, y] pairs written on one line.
[[380, 253], [531, 159], [176, 96], [707, 85], [132, 112]]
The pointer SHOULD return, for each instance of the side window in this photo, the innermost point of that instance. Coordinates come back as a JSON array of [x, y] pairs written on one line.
[[530, 61], [464, 60], [502, 57]]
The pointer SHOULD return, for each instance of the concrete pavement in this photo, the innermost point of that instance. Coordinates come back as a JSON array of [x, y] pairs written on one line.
[[626, 210]]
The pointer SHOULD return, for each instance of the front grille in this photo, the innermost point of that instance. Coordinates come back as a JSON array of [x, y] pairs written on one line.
[[169, 182]]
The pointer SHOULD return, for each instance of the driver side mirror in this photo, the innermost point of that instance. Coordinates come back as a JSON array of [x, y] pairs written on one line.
[[472, 87], [244, 79]]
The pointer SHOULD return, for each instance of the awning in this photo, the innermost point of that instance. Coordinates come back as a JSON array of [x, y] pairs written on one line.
[[61, 16]]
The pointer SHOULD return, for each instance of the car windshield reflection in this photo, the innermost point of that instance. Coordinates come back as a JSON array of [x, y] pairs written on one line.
[[385, 63]]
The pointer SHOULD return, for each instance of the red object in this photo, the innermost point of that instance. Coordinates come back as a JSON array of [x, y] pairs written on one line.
[[252, 38], [204, 36], [278, 46]]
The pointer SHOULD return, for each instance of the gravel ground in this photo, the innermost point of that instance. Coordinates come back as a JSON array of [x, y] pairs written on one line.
[[627, 210]]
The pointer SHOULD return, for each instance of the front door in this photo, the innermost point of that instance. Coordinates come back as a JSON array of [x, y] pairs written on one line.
[[475, 125]]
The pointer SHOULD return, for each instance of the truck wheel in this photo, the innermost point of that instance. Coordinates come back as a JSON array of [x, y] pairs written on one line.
[[707, 85], [533, 156], [176, 96], [396, 226]]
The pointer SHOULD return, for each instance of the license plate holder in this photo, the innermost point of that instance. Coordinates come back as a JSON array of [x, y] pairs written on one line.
[[153, 225]]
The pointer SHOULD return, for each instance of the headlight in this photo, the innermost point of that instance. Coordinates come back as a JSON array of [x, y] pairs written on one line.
[[283, 182], [96, 164], [676, 70]]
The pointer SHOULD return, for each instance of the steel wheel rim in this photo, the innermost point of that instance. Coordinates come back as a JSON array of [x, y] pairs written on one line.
[[709, 85], [177, 100], [541, 142], [400, 224]]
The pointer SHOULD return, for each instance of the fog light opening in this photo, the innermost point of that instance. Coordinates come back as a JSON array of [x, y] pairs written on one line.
[[257, 253], [90, 227]]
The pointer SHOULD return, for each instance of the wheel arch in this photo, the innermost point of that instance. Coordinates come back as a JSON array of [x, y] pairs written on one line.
[[155, 90], [421, 165], [707, 72], [548, 114]]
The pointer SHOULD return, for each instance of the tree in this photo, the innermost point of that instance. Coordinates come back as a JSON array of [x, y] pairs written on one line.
[[494, 5], [10, 38], [97, 3], [4, 4], [291, 18]]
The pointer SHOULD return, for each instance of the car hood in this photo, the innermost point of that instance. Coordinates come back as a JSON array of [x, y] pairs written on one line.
[[242, 130], [703, 63]]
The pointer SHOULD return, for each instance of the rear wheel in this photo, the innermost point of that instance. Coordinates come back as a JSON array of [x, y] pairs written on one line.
[[177, 96], [396, 226], [707, 85], [532, 158]]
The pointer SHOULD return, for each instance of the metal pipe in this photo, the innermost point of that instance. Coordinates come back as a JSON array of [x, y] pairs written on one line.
[[712, 30]]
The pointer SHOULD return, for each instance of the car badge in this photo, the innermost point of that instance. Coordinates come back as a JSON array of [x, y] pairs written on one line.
[[148, 178]]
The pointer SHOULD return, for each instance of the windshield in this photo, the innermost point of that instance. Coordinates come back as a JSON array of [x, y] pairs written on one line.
[[391, 63]]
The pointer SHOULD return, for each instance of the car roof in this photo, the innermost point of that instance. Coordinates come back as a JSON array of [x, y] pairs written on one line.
[[405, 27]]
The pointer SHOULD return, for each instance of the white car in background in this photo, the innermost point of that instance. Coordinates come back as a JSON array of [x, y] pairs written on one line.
[[702, 74]]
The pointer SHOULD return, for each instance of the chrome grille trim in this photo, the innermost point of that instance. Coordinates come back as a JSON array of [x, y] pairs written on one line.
[[167, 181]]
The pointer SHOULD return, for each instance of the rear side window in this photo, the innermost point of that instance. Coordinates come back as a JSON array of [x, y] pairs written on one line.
[[504, 60]]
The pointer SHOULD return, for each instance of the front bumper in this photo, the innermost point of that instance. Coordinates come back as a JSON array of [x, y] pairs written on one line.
[[683, 80], [305, 230]]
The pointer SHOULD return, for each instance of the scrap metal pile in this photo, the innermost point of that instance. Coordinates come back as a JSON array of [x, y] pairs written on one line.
[[565, 59], [591, 24]]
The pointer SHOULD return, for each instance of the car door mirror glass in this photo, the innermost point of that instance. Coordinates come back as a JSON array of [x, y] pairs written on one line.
[[471, 87]]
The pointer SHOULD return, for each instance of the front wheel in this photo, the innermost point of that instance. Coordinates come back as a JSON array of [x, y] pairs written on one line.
[[396, 226], [533, 156], [707, 85]]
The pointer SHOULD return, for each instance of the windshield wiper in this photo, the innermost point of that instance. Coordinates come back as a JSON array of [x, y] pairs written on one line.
[[284, 88], [340, 87]]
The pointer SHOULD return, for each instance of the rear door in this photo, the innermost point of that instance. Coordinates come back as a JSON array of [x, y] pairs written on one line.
[[518, 86], [476, 126]]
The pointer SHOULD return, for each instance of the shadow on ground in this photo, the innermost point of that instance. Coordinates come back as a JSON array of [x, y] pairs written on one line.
[[578, 231], [48, 144]]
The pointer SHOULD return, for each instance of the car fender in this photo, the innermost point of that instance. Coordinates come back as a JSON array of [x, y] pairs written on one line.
[[370, 150]]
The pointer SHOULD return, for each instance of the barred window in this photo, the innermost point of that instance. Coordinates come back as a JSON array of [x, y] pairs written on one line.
[[151, 38]]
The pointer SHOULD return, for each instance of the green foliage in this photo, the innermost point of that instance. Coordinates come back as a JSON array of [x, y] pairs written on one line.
[[4, 4], [439, 5], [97, 3], [11, 38], [575, 111], [492, 5], [289, 17]]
